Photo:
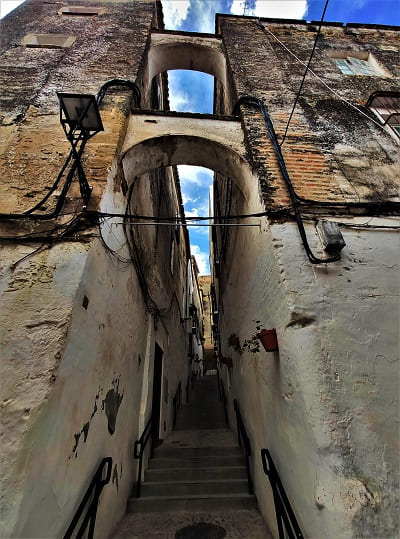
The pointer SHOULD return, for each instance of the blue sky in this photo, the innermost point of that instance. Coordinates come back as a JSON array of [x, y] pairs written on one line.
[[191, 91]]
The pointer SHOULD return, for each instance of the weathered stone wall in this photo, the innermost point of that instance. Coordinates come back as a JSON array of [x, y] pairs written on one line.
[[326, 405], [35, 146], [78, 321], [331, 151], [204, 285]]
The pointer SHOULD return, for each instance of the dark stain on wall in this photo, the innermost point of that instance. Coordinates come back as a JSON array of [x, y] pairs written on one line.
[[111, 404], [85, 429], [115, 477]]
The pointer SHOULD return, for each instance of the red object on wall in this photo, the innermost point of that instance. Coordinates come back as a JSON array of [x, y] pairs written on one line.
[[268, 339]]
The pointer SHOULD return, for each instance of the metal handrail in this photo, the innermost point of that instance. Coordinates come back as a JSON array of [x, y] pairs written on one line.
[[177, 402], [288, 526], [94, 490], [187, 388], [242, 436], [222, 396], [140, 446]]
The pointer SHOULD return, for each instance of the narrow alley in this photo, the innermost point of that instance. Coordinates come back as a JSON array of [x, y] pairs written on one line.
[[196, 484]]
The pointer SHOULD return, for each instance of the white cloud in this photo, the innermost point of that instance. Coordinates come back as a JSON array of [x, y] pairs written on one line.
[[237, 7], [201, 259], [189, 174], [179, 100], [192, 213], [175, 12], [186, 198], [285, 9], [8, 5]]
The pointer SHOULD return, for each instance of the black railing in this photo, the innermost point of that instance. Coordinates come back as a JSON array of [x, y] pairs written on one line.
[[245, 440], [140, 446], [188, 388], [90, 503], [177, 402], [288, 527], [222, 396]]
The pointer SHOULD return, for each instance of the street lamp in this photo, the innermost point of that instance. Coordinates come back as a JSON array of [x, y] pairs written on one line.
[[80, 119]]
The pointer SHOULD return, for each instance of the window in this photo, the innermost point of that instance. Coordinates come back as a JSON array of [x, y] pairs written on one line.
[[81, 10], [357, 63], [48, 41], [386, 105]]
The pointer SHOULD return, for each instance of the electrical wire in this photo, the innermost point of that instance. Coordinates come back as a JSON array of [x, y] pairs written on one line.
[[175, 219], [29, 214], [251, 100], [333, 91], [156, 223], [305, 72], [150, 303]]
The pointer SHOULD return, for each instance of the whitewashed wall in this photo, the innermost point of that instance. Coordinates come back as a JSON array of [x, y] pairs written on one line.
[[327, 404]]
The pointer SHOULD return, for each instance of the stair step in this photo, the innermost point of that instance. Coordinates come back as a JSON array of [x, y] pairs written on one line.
[[177, 452], [195, 462], [192, 488], [207, 502], [227, 472]]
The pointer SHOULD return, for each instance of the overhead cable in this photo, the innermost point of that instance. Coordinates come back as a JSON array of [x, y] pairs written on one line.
[[29, 214], [251, 100], [332, 90], [305, 73]]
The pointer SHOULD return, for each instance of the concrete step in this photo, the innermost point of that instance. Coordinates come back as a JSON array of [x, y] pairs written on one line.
[[185, 452], [193, 488], [195, 462], [179, 474], [207, 502]]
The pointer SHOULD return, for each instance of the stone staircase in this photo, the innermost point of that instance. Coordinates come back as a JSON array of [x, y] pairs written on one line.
[[196, 483], [195, 479], [199, 467]]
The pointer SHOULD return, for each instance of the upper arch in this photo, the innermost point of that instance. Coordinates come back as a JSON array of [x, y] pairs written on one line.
[[181, 51]]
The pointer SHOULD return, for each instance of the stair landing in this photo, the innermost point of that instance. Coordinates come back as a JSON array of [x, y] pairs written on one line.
[[238, 524]]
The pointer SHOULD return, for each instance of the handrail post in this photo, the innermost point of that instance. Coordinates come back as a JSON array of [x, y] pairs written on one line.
[[242, 435], [138, 453], [95, 504], [176, 402], [96, 486], [139, 480], [283, 510]]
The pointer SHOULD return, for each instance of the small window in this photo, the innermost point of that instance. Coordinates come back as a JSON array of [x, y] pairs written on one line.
[[85, 11], [386, 105], [357, 63], [48, 41]]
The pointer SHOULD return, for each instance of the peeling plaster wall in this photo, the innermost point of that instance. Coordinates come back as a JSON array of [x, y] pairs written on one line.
[[73, 379]]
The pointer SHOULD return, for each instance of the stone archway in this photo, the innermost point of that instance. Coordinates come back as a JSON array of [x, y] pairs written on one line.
[[155, 141], [182, 51]]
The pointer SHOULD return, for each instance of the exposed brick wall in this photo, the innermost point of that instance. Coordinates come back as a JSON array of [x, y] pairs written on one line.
[[324, 133]]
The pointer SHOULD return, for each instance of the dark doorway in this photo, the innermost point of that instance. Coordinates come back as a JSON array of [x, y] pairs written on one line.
[[156, 403]]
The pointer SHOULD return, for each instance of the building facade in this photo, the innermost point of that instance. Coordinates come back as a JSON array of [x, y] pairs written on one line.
[[325, 403], [96, 307]]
